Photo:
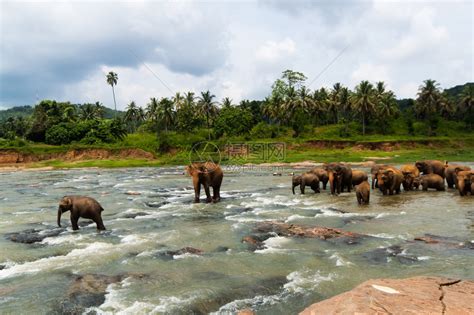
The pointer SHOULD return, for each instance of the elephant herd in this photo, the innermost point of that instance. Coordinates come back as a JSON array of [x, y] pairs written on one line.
[[429, 174]]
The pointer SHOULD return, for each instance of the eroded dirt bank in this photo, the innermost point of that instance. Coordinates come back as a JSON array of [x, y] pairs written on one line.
[[10, 157]]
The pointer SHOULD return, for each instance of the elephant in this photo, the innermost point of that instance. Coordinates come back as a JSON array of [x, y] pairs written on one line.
[[410, 172], [450, 174], [389, 180], [358, 177], [306, 179], [430, 167], [432, 181], [373, 172], [81, 207], [363, 193], [340, 176], [465, 179], [322, 175], [207, 174]]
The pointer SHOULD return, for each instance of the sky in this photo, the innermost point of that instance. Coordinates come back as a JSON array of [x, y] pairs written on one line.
[[63, 50]]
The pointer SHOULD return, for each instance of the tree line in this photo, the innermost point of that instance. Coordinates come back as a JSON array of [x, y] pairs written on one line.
[[290, 108]]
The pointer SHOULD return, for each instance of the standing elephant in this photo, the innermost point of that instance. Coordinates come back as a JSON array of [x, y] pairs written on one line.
[[81, 207], [363, 193], [340, 176], [306, 179], [358, 177], [430, 167], [410, 172], [373, 172], [450, 173], [432, 181], [465, 179], [207, 174], [389, 180], [322, 175]]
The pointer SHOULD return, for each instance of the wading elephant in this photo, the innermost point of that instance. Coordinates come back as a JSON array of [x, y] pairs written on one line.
[[410, 172], [430, 167], [358, 177], [433, 181], [363, 193], [322, 175], [340, 176], [373, 172], [450, 173], [389, 180], [81, 207], [207, 174], [306, 179], [465, 179]]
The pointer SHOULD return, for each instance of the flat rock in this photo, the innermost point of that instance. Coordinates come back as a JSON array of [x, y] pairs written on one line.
[[30, 236], [285, 229], [418, 295]]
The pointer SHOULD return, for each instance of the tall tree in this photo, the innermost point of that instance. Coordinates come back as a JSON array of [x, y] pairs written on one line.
[[226, 102], [166, 112], [428, 103], [466, 104], [132, 116], [363, 101], [207, 106], [151, 111], [112, 79]]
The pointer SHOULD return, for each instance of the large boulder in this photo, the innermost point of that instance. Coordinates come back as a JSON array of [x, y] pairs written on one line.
[[418, 295]]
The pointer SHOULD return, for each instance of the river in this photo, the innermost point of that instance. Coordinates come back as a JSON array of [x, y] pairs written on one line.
[[149, 216]]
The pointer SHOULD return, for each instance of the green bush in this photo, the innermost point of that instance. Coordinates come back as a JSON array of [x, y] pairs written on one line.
[[263, 130]]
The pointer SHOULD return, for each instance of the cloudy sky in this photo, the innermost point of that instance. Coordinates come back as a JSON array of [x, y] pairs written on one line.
[[63, 50]]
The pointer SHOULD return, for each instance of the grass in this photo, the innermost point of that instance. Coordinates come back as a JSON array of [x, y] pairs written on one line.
[[451, 144]]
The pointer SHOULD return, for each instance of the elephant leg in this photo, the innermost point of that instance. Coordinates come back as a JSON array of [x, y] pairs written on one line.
[[216, 192], [74, 219], [302, 186], [208, 193], [197, 191], [324, 185], [100, 223], [349, 187]]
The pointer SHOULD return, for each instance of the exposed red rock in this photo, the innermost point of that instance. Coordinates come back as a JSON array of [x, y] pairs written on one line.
[[418, 295]]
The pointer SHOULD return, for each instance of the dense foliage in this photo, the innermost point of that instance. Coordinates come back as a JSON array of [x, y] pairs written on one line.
[[290, 109]]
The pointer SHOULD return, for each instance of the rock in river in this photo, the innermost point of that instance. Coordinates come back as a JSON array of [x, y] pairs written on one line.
[[418, 295], [31, 236]]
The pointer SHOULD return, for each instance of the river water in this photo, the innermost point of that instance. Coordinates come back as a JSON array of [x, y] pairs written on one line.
[[282, 277]]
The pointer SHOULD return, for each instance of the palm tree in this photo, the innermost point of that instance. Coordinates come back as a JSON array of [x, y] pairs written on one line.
[[112, 79], [178, 100], [429, 98], [320, 104], [386, 105], [152, 110], [165, 112], [132, 115], [363, 101], [69, 113], [226, 102], [466, 103], [88, 112], [334, 101], [207, 107]]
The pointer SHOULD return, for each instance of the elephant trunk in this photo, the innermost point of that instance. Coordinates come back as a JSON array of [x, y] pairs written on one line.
[[59, 216]]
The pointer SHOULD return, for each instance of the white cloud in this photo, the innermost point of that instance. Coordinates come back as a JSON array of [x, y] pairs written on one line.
[[272, 51], [371, 72]]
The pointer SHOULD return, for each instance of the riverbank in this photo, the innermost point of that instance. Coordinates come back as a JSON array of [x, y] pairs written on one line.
[[293, 154]]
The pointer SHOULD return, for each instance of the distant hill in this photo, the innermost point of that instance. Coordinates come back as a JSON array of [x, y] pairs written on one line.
[[27, 110], [456, 91]]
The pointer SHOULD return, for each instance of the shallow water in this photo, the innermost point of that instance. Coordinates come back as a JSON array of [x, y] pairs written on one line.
[[285, 276]]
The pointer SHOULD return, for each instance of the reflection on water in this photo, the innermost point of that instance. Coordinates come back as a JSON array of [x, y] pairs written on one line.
[[164, 254]]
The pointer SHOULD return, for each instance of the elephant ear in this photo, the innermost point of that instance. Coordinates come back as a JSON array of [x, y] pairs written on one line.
[[66, 201], [457, 170]]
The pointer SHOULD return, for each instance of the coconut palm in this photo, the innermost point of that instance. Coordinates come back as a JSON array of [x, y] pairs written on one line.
[[88, 112], [386, 103], [320, 104], [166, 112], [132, 116], [226, 102], [466, 104], [178, 100], [363, 101], [207, 107], [151, 111], [429, 98], [112, 79]]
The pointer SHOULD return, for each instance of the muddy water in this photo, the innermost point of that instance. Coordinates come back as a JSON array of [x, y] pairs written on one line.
[[144, 229]]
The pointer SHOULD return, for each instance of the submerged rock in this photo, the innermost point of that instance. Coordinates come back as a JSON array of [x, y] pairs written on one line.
[[387, 254], [285, 229], [445, 241], [156, 204], [170, 254], [133, 215], [30, 236], [418, 295], [86, 291]]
